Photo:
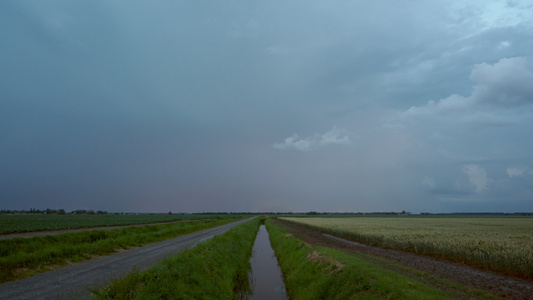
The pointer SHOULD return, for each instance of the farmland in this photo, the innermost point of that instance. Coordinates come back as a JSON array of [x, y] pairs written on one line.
[[314, 266], [28, 223], [502, 244]]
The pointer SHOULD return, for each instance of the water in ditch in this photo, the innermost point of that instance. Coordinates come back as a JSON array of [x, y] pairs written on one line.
[[266, 277]]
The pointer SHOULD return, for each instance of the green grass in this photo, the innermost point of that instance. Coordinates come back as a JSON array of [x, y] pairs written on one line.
[[27, 223], [325, 273], [215, 269], [21, 258], [502, 244]]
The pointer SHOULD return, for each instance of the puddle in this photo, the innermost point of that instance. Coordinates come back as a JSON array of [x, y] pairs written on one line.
[[266, 277]]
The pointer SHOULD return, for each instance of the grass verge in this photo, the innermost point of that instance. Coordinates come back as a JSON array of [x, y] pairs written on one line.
[[20, 258], [324, 273], [215, 269]]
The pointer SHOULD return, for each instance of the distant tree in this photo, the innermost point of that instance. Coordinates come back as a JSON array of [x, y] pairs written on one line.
[[169, 212]]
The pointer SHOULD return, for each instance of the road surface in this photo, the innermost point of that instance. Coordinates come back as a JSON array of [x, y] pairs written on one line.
[[75, 282]]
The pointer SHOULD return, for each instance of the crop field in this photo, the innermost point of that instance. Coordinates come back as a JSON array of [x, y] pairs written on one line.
[[28, 223], [502, 244]]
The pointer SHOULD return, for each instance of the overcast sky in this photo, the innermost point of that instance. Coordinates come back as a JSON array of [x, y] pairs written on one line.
[[193, 106]]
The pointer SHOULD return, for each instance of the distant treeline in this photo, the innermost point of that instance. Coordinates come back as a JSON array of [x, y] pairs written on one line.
[[406, 213], [481, 214], [48, 211], [381, 213], [390, 213], [384, 213]]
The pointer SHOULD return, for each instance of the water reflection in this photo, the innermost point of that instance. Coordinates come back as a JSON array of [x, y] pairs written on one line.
[[266, 275]]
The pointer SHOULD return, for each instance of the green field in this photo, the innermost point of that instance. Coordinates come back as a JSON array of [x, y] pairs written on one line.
[[502, 244], [28, 223]]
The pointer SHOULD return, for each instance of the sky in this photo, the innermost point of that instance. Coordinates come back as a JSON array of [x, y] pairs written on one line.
[[258, 106]]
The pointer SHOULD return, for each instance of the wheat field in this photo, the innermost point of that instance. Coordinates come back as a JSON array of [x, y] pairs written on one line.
[[503, 244]]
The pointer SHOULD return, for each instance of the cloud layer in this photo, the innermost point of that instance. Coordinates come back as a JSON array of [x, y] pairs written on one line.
[[256, 106], [334, 136], [505, 84]]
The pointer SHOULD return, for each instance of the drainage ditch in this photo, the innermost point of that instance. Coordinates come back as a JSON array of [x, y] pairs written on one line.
[[265, 275]]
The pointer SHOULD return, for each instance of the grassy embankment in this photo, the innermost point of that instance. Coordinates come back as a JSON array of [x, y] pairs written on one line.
[[215, 269], [21, 258], [28, 223], [324, 273], [501, 244]]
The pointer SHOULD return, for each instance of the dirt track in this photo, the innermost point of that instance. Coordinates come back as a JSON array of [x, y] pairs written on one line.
[[500, 285]]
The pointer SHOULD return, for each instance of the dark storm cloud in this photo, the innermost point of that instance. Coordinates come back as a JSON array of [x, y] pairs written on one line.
[[242, 106]]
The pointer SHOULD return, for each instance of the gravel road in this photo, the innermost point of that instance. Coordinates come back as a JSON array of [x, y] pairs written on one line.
[[75, 282]]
